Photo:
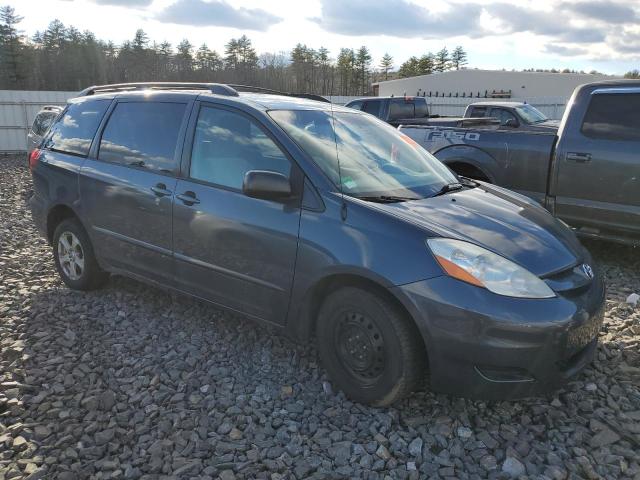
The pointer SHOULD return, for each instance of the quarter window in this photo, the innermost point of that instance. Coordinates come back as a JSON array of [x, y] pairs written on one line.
[[143, 134], [74, 130], [227, 145], [613, 117]]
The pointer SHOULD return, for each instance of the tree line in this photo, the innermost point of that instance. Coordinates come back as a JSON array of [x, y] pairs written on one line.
[[62, 57], [428, 63]]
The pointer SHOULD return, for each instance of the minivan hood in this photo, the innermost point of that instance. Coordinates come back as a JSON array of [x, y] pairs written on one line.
[[506, 223]]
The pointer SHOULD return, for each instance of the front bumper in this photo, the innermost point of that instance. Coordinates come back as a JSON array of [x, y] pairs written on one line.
[[483, 345]]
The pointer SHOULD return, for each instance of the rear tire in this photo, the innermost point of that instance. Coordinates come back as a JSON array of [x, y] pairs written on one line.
[[369, 347], [74, 257]]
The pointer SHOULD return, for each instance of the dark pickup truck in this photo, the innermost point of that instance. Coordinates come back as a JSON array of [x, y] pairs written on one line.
[[587, 174], [414, 110], [516, 115]]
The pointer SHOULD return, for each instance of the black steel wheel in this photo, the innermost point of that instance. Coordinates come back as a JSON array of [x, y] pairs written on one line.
[[369, 347]]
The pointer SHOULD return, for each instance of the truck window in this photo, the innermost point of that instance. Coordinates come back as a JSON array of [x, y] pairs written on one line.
[[503, 115], [143, 134], [357, 105], [478, 112], [74, 130], [613, 117], [372, 107], [421, 108], [400, 108]]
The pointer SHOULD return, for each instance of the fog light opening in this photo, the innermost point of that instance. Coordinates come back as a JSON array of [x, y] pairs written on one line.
[[505, 374]]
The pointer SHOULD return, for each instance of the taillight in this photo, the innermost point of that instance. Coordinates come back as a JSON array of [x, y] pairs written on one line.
[[33, 158]]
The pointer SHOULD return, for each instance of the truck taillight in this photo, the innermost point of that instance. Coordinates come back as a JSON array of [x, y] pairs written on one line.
[[33, 158]]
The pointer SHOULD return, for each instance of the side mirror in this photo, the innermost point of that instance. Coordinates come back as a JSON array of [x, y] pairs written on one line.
[[266, 185], [511, 123]]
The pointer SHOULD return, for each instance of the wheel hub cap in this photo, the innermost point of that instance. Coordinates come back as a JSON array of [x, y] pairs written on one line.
[[71, 255], [360, 346]]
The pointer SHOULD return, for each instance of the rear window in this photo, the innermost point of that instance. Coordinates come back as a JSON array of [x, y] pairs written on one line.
[[42, 122], [372, 107], [74, 130], [143, 134], [402, 109], [478, 111], [613, 117]]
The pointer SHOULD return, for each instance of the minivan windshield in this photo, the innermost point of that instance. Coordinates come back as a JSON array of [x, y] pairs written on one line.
[[531, 114], [375, 159]]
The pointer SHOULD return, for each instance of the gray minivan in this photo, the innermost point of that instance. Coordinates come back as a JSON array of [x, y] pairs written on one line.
[[327, 223]]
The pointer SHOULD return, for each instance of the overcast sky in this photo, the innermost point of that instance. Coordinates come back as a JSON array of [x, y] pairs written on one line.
[[582, 35]]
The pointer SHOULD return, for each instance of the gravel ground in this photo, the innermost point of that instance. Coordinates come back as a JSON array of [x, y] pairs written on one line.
[[135, 382]]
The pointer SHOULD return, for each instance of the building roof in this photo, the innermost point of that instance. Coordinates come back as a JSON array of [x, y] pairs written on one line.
[[472, 71]]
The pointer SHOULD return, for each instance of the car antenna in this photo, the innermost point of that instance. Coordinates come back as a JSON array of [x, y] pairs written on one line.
[[343, 208]]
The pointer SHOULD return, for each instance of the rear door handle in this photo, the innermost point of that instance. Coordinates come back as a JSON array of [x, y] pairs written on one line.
[[188, 198], [161, 190], [578, 157]]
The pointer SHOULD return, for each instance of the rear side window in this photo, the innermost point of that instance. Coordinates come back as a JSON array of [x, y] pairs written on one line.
[[143, 134], [357, 105], [227, 145], [402, 109], [613, 117], [74, 130]]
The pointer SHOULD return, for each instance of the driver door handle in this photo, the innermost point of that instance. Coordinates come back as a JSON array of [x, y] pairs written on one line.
[[188, 198], [578, 157]]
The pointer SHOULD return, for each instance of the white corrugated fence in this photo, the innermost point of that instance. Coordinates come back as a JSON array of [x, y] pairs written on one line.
[[18, 108]]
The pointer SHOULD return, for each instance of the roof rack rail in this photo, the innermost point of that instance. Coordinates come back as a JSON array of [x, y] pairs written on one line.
[[230, 90], [217, 88], [250, 88]]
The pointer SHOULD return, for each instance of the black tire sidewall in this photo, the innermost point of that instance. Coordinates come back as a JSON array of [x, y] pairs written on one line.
[[378, 310], [92, 276]]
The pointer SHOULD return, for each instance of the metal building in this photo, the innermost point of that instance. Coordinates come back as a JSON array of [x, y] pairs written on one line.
[[18, 108], [492, 83]]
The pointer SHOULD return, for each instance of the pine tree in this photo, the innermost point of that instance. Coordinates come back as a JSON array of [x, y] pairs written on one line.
[[11, 48], [363, 69], [458, 58], [442, 61], [426, 64], [386, 64]]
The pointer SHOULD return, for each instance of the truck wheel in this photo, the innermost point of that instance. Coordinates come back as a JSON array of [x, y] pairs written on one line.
[[74, 257], [368, 347]]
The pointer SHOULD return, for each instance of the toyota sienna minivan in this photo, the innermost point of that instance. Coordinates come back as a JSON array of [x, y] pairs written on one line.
[[325, 222]]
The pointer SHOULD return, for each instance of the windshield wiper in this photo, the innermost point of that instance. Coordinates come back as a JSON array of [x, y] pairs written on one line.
[[387, 198], [449, 187]]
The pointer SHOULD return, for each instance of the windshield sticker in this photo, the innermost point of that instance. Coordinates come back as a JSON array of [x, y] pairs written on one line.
[[349, 183]]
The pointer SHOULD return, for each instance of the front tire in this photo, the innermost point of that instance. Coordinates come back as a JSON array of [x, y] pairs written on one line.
[[369, 347], [74, 257]]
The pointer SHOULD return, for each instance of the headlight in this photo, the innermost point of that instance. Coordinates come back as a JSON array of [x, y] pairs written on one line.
[[478, 266]]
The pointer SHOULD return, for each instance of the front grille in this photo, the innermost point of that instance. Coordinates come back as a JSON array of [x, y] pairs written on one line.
[[572, 281]]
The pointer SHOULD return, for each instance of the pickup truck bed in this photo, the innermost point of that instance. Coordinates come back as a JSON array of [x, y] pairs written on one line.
[[519, 161]]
